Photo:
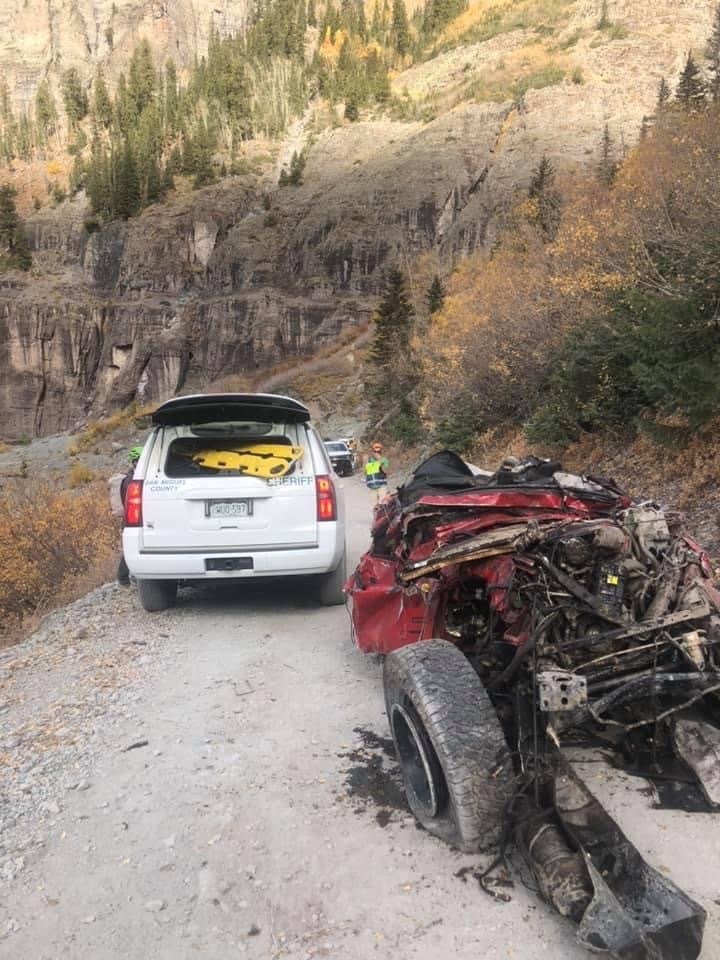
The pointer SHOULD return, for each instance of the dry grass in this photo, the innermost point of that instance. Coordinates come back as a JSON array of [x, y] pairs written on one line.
[[485, 19], [529, 68], [295, 367], [80, 476], [5, 447], [55, 545], [98, 430]]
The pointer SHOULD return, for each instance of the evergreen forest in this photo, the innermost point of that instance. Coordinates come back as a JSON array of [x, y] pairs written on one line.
[[129, 143]]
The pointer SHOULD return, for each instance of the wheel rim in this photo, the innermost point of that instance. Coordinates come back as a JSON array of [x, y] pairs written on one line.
[[418, 762]]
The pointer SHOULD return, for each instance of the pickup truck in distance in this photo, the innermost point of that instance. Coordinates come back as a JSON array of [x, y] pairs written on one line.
[[341, 457]]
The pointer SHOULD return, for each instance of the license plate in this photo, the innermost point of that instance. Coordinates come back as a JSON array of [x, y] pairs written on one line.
[[228, 509]]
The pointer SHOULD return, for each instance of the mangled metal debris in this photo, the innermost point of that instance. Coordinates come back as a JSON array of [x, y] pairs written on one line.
[[517, 608]]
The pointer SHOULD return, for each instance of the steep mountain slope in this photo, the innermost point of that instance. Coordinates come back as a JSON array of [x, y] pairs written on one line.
[[41, 38], [239, 275]]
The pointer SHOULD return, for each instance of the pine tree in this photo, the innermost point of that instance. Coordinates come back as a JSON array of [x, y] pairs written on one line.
[[8, 127], [9, 220], [438, 13], [548, 199], [376, 23], [45, 113], [712, 54], [378, 80], [102, 106], [297, 168], [74, 97], [393, 322], [400, 28], [97, 180], [154, 185], [76, 180], [607, 165], [142, 79], [171, 97], [126, 193], [362, 27], [203, 148], [174, 162], [125, 109], [690, 91], [5, 106], [663, 95], [12, 238], [393, 372], [435, 296]]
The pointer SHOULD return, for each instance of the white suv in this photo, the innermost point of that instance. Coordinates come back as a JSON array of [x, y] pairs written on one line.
[[233, 486]]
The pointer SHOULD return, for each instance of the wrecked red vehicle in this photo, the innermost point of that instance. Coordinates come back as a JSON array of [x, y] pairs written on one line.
[[518, 610]]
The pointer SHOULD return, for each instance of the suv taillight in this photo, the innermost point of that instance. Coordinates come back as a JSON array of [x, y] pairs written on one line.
[[133, 504], [326, 506]]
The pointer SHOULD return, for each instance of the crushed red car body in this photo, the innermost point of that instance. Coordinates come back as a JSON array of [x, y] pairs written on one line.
[[516, 607]]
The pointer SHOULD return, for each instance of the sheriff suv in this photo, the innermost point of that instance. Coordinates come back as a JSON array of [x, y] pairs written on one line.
[[233, 486]]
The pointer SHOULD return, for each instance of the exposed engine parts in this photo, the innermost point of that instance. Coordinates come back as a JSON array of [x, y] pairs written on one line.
[[581, 612]]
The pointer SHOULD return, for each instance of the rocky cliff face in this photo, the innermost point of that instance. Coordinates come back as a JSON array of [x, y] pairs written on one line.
[[42, 38], [213, 282]]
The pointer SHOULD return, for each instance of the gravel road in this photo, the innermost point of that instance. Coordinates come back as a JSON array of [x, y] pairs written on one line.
[[217, 782]]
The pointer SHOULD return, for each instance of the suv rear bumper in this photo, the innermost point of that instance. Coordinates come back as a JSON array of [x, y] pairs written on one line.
[[191, 565]]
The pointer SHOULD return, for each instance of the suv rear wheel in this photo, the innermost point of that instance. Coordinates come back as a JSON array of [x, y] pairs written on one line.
[[330, 591], [156, 595], [455, 764]]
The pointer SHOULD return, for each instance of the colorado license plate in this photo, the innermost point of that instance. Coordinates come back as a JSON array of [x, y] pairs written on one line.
[[228, 509]]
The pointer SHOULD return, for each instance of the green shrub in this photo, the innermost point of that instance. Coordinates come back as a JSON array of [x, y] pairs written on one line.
[[459, 428], [654, 357], [544, 77], [617, 32]]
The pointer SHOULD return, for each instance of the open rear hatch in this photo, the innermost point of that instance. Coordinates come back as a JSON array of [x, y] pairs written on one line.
[[228, 407]]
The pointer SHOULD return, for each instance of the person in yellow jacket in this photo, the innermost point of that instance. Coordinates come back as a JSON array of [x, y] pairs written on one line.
[[376, 470]]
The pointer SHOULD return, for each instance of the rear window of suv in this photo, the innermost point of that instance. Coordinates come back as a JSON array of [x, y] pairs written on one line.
[[219, 450]]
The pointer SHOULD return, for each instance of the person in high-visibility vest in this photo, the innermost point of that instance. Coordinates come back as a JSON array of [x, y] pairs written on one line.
[[376, 470]]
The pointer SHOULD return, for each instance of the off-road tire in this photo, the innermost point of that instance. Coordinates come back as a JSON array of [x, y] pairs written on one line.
[[433, 687], [330, 585], [157, 595]]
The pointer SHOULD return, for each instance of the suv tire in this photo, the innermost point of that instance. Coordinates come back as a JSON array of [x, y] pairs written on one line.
[[157, 595], [330, 592], [454, 760]]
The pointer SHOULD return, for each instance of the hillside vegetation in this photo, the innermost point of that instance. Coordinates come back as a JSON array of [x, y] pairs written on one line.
[[126, 145], [598, 311]]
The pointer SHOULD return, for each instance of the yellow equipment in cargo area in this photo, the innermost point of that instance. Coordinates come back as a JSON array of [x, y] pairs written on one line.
[[264, 460]]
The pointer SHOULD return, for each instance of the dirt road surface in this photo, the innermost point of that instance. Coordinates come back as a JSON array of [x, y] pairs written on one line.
[[217, 782]]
